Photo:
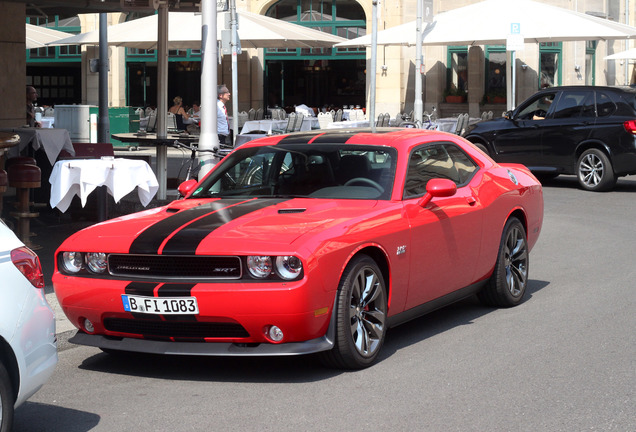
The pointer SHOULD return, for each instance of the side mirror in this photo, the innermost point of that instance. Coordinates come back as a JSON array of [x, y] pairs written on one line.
[[438, 188], [186, 187]]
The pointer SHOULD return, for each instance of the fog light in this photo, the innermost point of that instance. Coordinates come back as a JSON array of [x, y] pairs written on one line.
[[275, 334], [88, 326]]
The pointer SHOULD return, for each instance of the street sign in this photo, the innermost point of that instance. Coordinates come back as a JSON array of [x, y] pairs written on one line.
[[514, 42], [222, 5], [428, 11]]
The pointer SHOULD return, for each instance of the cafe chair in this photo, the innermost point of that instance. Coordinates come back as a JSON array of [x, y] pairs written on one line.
[[92, 150], [298, 122], [251, 114], [338, 116], [259, 114], [152, 122], [242, 118], [24, 177], [324, 120], [171, 122]]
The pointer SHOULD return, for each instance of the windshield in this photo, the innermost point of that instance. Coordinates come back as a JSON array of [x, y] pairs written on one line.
[[303, 170]]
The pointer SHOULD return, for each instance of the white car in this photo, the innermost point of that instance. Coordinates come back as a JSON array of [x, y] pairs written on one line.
[[28, 345]]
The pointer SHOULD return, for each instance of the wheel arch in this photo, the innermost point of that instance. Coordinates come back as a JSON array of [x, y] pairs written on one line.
[[521, 215], [586, 145], [377, 254], [7, 358]]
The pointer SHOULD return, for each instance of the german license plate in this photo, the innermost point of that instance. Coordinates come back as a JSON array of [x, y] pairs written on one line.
[[160, 305]]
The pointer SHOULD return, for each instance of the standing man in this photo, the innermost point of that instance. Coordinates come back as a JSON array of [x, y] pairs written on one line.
[[222, 120], [31, 97]]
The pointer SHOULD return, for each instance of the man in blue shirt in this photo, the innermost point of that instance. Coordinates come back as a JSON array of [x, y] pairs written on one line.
[[222, 119]]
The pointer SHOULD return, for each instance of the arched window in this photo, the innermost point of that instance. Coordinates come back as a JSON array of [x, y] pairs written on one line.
[[344, 18]]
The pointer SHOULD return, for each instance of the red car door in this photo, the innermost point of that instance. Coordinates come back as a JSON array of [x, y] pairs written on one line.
[[446, 233]]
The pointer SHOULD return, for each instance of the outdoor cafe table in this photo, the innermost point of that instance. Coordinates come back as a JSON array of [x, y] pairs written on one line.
[[7, 141], [268, 125], [348, 124], [161, 145], [120, 176], [52, 140]]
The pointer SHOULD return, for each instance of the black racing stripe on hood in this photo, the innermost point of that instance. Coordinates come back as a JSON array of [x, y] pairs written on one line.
[[177, 290], [186, 241], [149, 241]]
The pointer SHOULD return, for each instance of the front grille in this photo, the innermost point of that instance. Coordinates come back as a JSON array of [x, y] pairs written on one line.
[[175, 267], [175, 328]]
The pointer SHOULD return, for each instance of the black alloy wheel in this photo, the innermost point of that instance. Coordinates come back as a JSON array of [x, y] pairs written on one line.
[[360, 316]]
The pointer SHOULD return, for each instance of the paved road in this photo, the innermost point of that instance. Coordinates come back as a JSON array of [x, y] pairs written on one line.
[[564, 360]]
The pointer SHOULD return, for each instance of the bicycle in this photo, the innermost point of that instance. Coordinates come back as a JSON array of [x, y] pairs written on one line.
[[192, 165], [429, 123]]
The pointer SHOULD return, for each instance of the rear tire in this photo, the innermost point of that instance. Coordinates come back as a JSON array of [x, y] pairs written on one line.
[[594, 171], [482, 148], [508, 282], [6, 400], [360, 316]]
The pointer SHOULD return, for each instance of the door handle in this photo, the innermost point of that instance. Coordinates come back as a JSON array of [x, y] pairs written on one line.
[[471, 200]]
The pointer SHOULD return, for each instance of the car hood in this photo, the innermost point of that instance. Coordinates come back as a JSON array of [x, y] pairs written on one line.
[[489, 125], [189, 227]]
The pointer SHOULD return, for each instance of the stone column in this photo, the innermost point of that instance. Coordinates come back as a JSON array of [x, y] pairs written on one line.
[[476, 80], [13, 64]]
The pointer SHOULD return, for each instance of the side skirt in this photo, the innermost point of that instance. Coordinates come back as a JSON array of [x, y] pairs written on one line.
[[438, 303]]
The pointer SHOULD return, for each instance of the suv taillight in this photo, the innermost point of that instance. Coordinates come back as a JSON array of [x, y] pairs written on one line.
[[630, 126], [29, 265]]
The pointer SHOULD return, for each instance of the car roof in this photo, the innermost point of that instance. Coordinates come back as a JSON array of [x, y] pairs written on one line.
[[399, 138], [617, 89]]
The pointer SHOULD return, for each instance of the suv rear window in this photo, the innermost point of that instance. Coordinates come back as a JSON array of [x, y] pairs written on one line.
[[604, 105]]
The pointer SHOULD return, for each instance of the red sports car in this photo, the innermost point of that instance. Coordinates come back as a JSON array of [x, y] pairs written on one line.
[[312, 242]]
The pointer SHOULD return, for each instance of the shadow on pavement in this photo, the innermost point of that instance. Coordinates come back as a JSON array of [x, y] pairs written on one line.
[[33, 416]]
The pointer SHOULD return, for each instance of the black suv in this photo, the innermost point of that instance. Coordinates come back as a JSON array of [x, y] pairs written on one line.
[[589, 131]]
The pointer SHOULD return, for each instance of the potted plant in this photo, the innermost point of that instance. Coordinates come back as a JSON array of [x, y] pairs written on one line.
[[496, 96], [454, 95]]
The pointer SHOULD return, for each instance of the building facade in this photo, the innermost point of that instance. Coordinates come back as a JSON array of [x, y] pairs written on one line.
[[475, 75]]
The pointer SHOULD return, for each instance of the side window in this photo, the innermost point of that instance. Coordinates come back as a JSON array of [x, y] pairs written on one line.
[[436, 161], [572, 103], [537, 108], [604, 104], [463, 164]]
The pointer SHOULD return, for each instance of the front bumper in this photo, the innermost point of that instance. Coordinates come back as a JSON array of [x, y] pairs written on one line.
[[323, 343]]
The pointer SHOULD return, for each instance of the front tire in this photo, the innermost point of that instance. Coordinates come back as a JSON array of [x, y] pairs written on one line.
[[508, 282], [6, 400], [594, 171], [360, 316]]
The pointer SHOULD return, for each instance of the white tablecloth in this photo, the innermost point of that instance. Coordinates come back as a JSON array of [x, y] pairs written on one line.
[[82, 176], [268, 125], [52, 140], [348, 124]]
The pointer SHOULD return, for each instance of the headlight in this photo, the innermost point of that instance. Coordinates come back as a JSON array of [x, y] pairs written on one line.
[[96, 262], [72, 261], [259, 266], [288, 267]]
